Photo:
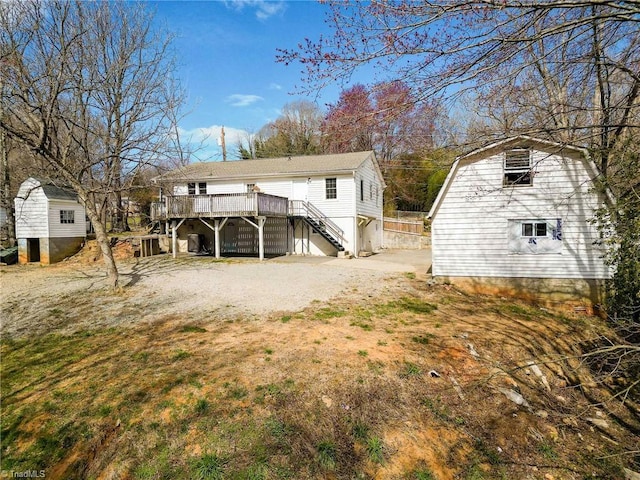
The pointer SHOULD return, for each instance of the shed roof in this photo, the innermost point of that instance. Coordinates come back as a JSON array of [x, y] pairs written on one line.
[[271, 167], [53, 190]]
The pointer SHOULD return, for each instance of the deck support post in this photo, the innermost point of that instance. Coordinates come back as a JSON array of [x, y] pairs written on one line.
[[260, 226], [261, 221], [174, 239], [216, 232], [174, 236]]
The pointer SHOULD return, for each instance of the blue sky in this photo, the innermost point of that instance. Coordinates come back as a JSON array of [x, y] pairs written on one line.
[[226, 51]]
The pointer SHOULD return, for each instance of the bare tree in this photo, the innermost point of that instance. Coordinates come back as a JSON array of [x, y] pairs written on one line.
[[445, 48], [295, 132], [88, 90], [564, 69]]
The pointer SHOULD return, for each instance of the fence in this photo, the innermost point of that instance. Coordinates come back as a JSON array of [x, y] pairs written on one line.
[[414, 227]]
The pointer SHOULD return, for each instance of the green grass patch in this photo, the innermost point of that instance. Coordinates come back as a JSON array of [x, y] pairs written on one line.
[[367, 327], [421, 473], [208, 467], [423, 339], [328, 313], [547, 450], [375, 450], [180, 355], [327, 454], [192, 329], [235, 391], [410, 370]]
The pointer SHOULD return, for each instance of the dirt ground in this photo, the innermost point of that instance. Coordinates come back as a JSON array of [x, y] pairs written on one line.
[[226, 288]]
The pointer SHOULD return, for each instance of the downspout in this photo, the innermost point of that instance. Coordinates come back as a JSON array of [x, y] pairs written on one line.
[[356, 233]]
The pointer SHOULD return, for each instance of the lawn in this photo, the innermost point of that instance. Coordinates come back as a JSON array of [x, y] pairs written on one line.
[[407, 385]]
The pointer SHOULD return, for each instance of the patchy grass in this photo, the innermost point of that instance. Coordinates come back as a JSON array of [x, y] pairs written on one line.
[[202, 397]]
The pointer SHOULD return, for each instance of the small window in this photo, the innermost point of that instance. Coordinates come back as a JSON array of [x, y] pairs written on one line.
[[370, 191], [250, 187], [517, 167], [331, 188], [535, 236], [534, 229], [67, 216], [197, 188], [362, 190]]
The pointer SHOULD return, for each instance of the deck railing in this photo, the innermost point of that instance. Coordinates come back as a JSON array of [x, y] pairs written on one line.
[[219, 205]]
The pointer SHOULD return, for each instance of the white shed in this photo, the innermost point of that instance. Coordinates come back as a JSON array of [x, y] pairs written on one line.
[[50, 222], [517, 215]]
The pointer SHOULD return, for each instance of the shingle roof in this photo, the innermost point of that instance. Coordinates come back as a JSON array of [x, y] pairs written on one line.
[[305, 165], [56, 191]]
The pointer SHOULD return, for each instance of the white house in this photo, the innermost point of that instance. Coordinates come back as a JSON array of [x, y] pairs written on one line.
[[317, 205], [50, 222], [518, 215]]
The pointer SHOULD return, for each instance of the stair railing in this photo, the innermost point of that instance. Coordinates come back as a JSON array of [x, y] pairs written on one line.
[[300, 208]]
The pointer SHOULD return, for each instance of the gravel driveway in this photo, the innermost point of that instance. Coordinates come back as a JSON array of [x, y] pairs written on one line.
[[63, 297]]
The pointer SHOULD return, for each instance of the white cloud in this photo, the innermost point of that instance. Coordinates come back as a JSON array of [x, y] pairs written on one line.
[[239, 100], [275, 86], [264, 9]]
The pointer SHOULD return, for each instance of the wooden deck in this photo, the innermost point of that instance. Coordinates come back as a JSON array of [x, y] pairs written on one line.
[[220, 205]]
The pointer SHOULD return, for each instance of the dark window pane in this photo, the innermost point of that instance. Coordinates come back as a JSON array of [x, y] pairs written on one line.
[[541, 229], [331, 188], [527, 229], [517, 178]]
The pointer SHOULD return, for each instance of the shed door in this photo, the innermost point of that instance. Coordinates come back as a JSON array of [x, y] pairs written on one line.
[[33, 249]]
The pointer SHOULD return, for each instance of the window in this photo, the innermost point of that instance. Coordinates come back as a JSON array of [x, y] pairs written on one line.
[[197, 188], [250, 187], [362, 190], [331, 188], [67, 216], [517, 167], [534, 229], [370, 191], [537, 236]]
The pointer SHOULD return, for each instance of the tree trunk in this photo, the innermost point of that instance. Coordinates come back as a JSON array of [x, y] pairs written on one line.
[[103, 241], [6, 200]]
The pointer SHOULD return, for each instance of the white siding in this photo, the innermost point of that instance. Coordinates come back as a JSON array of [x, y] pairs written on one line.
[[31, 211], [233, 186], [275, 186], [343, 205], [342, 210], [370, 202], [470, 235], [63, 230]]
